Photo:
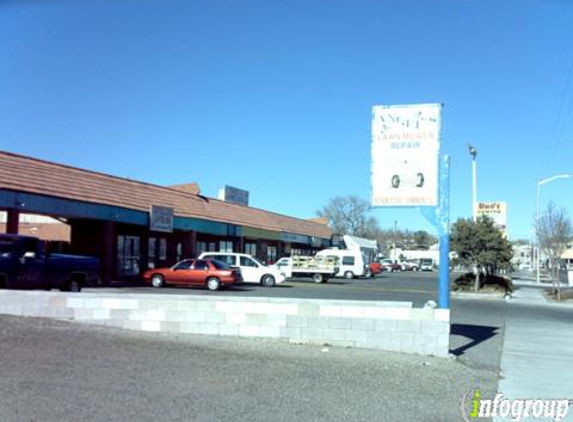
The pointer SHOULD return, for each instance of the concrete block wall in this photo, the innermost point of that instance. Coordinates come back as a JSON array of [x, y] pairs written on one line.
[[392, 326]]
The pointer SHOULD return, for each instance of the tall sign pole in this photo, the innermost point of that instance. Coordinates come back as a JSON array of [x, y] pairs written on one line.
[[440, 218], [407, 170]]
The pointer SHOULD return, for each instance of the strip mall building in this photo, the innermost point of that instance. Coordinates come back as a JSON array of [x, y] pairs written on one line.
[[110, 217]]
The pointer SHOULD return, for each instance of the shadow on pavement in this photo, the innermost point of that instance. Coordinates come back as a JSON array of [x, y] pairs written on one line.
[[475, 333]]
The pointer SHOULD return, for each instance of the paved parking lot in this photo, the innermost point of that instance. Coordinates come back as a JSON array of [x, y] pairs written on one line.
[[416, 287]]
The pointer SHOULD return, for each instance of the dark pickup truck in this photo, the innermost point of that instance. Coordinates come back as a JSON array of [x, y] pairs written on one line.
[[24, 264]]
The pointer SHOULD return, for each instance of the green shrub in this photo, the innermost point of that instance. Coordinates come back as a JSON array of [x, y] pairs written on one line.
[[488, 283]]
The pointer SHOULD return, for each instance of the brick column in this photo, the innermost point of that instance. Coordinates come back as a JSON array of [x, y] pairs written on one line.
[[190, 247], [240, 245], [108, 254], [13, 221]]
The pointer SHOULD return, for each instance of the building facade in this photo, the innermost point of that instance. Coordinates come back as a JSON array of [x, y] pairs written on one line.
[[132, 225]]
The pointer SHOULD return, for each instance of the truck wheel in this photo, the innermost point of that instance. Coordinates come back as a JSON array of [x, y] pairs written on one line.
[[268, 280], [72, 285], [213, 284], [348, 275], [75, 286], [157, 280], [318, 278]]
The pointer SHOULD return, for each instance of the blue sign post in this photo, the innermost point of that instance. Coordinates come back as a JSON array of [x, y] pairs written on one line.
[[439, 217]]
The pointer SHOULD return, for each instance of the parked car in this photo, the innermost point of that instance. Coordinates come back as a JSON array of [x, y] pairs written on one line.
[[426, 264], [284, 262], [252, 270], [390, 266], [25, 264], [409, 266], [374, 268], [211, 274]]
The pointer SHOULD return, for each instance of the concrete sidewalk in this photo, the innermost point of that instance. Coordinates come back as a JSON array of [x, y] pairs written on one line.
[[537, 359]]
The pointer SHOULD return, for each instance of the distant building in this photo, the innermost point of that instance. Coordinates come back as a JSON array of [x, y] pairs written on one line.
[[46, 228], [522, 257]]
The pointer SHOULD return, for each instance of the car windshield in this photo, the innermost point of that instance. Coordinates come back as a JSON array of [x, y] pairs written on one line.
[[220, 265], [6, 248]]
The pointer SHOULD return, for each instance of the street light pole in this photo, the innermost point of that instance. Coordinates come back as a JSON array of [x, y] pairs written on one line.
[[473, 153], [539, 183]]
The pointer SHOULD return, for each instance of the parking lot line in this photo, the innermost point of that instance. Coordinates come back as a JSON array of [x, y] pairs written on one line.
[[317, 285]]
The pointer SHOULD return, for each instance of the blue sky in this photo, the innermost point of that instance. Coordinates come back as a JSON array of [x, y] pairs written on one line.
[[275, 96]]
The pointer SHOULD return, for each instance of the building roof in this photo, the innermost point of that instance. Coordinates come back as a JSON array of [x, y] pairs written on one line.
[[31, 175]]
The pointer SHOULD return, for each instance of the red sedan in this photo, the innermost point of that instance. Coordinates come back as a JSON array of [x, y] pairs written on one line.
[[208, 273], [374, 268]]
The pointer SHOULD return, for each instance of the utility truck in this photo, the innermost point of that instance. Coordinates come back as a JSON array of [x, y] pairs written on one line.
[[319, 268]]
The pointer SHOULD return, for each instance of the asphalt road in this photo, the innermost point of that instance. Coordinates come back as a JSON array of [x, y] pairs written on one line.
[[54, 371], [416, 287]]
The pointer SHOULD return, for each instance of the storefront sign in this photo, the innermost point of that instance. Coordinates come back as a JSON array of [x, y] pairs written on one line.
[[405, 153], [497, 211], [161, 219], [236, 196], [295, 238]]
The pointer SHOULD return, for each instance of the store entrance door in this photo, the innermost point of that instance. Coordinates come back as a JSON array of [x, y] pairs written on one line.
[[128, 255]]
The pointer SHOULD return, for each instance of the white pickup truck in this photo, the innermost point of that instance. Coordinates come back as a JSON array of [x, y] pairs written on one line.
[[319, 268]]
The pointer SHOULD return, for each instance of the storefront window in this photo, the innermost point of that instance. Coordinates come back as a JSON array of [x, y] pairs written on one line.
[[271, 255], [162, 249], [151, 253], [128, 255], [225, 246], [179, 252], [251, 249], [201, 247]]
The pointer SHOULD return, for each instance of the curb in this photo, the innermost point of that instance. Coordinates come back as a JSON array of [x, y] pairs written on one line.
[[481, 296]]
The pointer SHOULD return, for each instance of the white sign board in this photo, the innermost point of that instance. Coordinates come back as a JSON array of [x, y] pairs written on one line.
[[405, 154]]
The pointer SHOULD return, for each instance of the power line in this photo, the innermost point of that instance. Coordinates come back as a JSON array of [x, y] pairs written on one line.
[[558, 125]]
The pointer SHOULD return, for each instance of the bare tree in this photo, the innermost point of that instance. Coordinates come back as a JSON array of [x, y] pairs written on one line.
[[555, 232], [350, 215]]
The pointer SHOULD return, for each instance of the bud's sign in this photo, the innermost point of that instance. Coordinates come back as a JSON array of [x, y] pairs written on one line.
[[497, 211]]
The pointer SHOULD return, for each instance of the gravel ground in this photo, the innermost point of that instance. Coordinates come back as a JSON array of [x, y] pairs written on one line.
[[63, 371]]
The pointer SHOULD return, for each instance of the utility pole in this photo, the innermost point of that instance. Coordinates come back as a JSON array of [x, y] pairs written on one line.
[[474, 153]]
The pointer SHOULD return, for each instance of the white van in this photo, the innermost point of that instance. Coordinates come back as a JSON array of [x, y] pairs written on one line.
[[252, 270], [351, 262]]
